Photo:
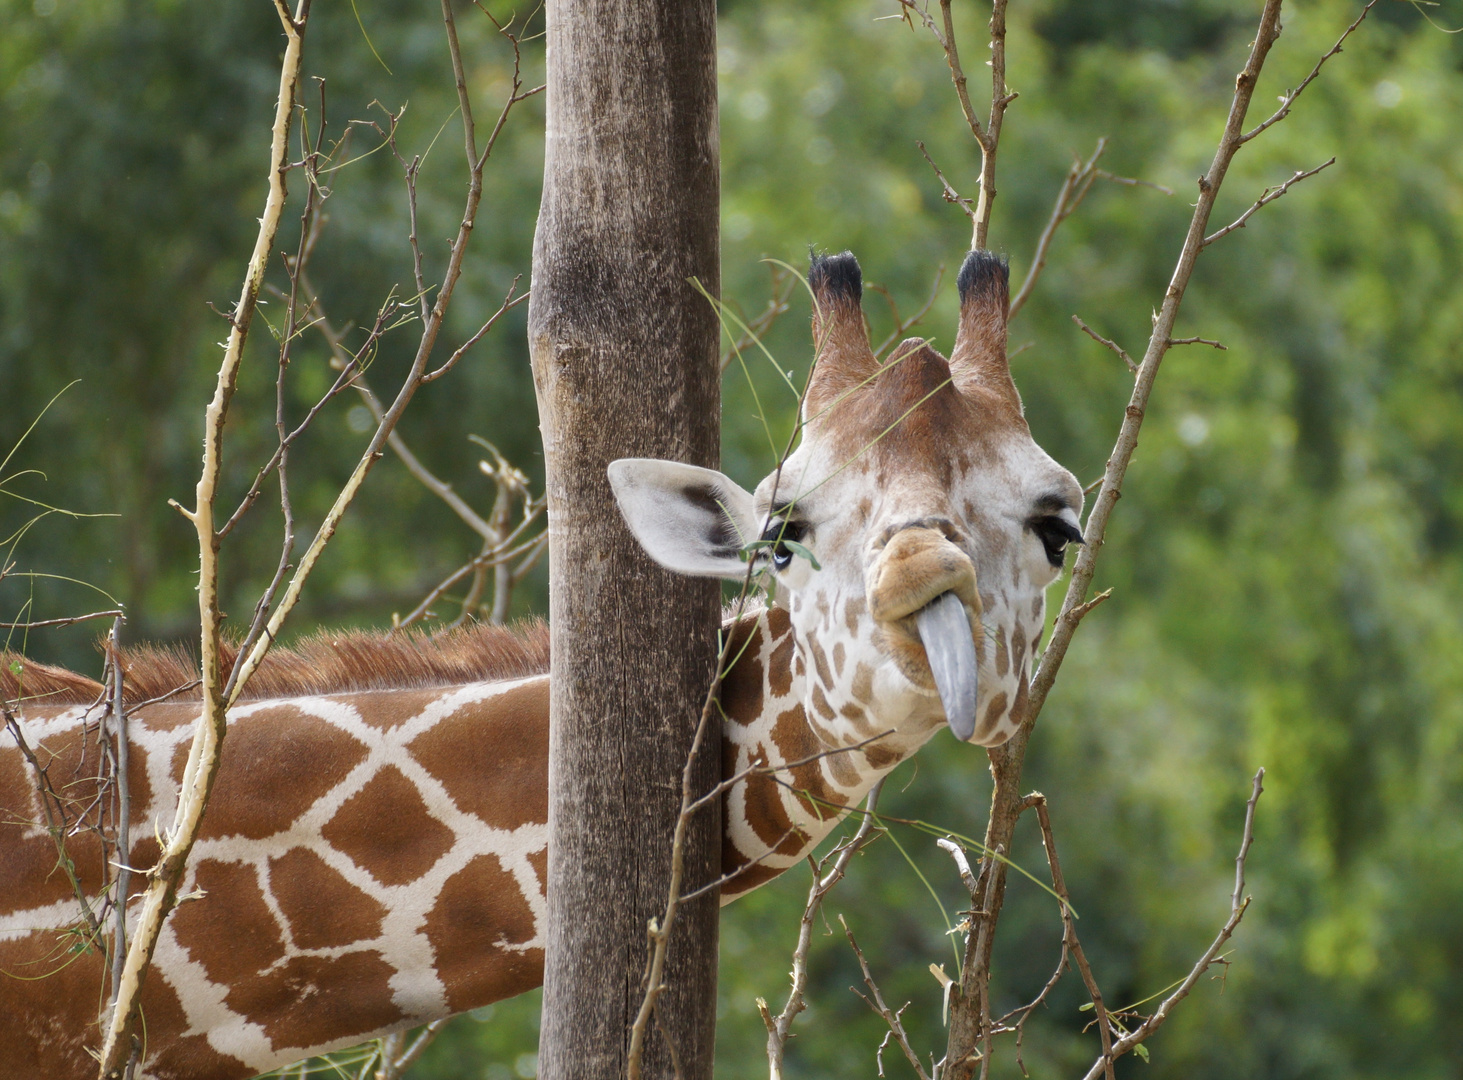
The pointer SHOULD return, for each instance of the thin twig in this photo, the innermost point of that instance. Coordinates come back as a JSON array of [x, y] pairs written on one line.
[[890, 1016], [67, 621], [1113, 345], [1074, 189], [1198, 341], [1239, 904], [779, 1027], [1289, 99], [1269, 195]]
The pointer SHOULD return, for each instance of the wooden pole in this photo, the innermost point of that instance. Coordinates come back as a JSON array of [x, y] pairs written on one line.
[[625, 364]]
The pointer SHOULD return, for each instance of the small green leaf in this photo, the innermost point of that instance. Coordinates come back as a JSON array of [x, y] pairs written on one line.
[[16, 667], [1141, 1051], [799, 550]]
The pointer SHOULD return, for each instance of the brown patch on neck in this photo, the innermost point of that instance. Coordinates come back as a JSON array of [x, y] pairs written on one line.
[[386, 830], [483, 752], [479, 910], [324, 663]]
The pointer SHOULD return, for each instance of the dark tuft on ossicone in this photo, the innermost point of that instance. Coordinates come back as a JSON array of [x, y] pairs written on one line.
[[837, 277], [984, 276]]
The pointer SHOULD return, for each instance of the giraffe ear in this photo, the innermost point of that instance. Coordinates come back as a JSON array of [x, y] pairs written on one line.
[[690, 520]]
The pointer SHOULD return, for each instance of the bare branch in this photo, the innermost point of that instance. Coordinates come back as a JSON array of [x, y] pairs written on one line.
[[1074, 189], [1289, 99], [950, 194], [1269, 195], [1239, 904], [779, 1027], [891, 1017], [1198, 341], [1114, 346], [66, 621]]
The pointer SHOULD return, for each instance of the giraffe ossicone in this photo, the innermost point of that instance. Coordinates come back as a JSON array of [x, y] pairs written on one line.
[[375, 853]]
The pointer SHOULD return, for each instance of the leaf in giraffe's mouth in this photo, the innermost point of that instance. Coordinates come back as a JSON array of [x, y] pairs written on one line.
[[944, 629]]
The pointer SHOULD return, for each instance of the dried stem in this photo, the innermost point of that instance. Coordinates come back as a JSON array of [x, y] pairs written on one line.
[[779, 1027], [1074, 189], [968, 1025], [1269, 195], [1113, 345], [120, 1045], [890, 1016], [1239, 904]]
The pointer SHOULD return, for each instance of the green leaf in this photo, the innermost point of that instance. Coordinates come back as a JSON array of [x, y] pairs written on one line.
[[1141, 1051], [802, 552]]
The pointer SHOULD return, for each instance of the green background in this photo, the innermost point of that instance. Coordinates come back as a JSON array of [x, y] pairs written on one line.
[[1285, 561]]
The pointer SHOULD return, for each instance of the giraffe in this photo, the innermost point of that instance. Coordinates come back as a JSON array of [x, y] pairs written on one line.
[[375, 853]]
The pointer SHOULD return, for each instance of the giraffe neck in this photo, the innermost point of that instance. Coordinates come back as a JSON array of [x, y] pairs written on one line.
[[370, 860]]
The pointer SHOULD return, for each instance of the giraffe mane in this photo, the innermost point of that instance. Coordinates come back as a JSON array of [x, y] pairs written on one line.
[[323, 663]]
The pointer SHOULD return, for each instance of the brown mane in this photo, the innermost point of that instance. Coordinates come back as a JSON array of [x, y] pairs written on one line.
[[323, 663]]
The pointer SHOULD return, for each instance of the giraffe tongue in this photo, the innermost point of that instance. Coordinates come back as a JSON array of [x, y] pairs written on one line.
[[945, 631]]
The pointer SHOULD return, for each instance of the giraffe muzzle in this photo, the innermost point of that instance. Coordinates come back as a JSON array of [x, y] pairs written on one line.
[[921, 589], [944, 630]]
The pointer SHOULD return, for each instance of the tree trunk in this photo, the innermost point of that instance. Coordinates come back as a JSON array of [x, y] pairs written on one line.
[[625, 364]]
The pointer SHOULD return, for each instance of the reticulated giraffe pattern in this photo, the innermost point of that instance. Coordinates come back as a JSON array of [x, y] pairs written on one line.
[[375, 852]]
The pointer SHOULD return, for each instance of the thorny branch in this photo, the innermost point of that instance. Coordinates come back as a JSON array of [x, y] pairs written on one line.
[[987, 136], [1239, 904], [121, 1046], [780, 1026], [890, 1016], [1268, 196]]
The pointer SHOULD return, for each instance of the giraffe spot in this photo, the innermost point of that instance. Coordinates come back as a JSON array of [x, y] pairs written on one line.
[[29, 863], [778, 622], [795, 741], [779, 668], [741, 686], [479, 910], [386, 830], [841, 770], [863, 683], [387, 709], [1018, 645], [166, 716], [47, 1022], [768, 817], [865, 510], [839, 655], [860, 719], [820, 703], [1003, 655], [1038, 607], [994, 711], [492, 757], [798, 667], [275, 764], [880, 757], [230, 931], [323, 908], [309, 1000], [852, 609], [820, 661]]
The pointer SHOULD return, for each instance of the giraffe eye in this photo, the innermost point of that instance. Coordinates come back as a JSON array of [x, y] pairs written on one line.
[[1055, 534], [778, 533]]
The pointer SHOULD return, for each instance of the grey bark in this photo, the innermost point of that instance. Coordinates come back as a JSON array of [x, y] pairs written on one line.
[[625, 365]]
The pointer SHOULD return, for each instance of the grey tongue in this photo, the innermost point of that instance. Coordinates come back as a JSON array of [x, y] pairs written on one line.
[[945, 632]]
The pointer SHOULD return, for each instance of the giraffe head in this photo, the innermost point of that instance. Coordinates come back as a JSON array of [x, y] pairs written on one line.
[[912, 534]]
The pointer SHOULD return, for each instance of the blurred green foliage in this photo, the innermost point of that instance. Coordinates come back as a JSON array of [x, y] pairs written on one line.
[[1287, 558]]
